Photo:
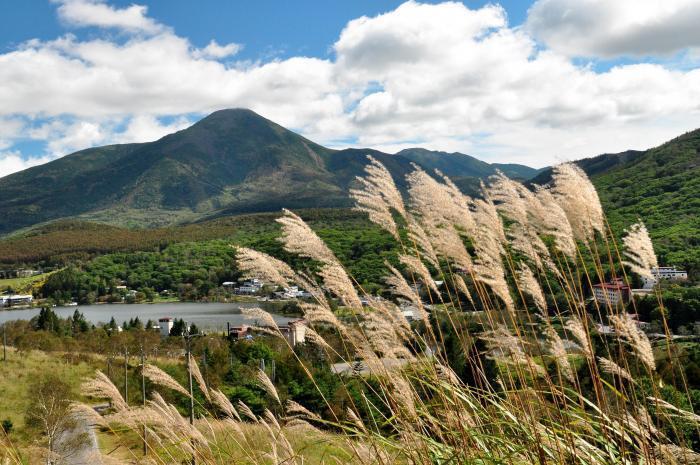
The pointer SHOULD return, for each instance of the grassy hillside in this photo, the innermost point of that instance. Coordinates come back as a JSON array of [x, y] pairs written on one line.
[[662, 187]]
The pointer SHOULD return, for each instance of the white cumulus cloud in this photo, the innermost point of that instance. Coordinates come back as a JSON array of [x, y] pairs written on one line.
[[215, 50], [602, 28], [81, 13], [440, 76]]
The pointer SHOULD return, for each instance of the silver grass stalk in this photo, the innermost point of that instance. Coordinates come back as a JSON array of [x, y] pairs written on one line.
[[300, 239], [418, 235], [400, 287], [558, 351], [220, 399], [448, 244], [579, 199], [268, 386], [319, 314], [672, 408], [378, 195], [102, 387], [575, 326], [551, 220], [336, 280], [529, 284], [507, 347], [438, 203], [416, 266], [199, 378], [612, 368], [462, 287], [294, 408], [161, 378], [639, 250], [263, 318], [627, 327], [245, 410], [488, 243], [314, 338], [254, 264]]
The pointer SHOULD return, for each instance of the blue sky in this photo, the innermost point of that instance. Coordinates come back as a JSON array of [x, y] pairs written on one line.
[[530, 82]]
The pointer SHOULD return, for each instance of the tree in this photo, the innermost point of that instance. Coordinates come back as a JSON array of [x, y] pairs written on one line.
[[49, 412], [48, 320]]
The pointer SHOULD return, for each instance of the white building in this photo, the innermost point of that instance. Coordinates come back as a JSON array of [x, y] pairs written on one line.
[[252, 286], [669, 272], [13, 300], [294, 331], [165, 325]]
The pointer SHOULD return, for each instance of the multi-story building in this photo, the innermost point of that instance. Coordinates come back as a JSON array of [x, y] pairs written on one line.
[[165, 325], [15, 300], [669, 272], [613, 293]]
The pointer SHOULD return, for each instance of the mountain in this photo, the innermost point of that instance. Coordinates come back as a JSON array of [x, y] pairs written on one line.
[[232, 161], [661, 186]]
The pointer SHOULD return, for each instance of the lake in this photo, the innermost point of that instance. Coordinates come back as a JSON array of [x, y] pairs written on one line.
[[205, 315]]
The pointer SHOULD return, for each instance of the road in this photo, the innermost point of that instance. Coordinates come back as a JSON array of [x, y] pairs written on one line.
[[78, 445]]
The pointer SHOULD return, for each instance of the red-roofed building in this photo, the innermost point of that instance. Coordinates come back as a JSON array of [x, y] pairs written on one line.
[[612, 293]]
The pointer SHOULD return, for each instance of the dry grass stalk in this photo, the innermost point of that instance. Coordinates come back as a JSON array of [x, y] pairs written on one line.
[[505, 346], [294, 408], [627, 327], [254, 264], [488, 240], [378, 195], [102, 387], [268, 386], [246, 411], [529, 284], [416, 266], [639, 250], [336, 280], [577, 196], [420, 238], [552, 220], [199, 378], [300, 239], [438, 203], [576, 327], [612, 368], [263, 318], [401, 288], [558, 351], [660, 403], [461, 286], [219, 399], [161, 378]]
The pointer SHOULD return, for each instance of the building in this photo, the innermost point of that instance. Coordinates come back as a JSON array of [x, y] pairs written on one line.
[[165, 325], [613, 293], [294, 331], [670, 273], [15, 300], [252, 286], [26, 273], [239, 332]]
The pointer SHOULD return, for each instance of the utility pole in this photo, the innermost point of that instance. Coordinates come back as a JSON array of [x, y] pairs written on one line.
[[188, 353], [143, 395], [126, 375], [204, 363]]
